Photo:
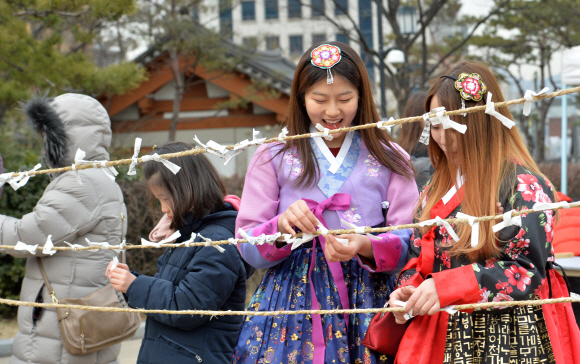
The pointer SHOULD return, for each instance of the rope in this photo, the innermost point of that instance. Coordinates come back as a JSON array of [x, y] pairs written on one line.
[[196, 150], [330, 232], [282, 312]]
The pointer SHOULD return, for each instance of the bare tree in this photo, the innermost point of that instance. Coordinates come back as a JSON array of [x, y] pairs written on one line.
[[426, 52]]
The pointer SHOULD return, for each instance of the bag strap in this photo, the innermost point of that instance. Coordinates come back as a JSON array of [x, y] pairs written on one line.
[[123, 254], [46, 282]]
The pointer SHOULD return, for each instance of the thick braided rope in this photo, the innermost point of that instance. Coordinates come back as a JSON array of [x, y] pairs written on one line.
[[330, 232], [282, 312], [303, 136]]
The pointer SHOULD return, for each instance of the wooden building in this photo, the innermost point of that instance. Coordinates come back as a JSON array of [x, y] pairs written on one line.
[[146, 111]]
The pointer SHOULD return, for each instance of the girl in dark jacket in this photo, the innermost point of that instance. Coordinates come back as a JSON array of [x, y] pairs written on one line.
[[189, 278]]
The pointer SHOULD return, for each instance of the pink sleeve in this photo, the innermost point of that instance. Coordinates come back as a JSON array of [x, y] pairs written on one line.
[[391, 250], [259, 210]]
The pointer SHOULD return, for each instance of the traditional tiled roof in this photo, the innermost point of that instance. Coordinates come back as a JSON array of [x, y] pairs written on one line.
[[266, 66]]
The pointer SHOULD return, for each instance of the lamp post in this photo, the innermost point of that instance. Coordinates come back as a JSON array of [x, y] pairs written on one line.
[[396, 57]]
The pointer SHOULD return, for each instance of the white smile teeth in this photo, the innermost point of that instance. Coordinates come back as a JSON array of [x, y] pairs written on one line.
[[332, 122]]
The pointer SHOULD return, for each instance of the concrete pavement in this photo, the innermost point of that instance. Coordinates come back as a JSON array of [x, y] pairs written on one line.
[[129, 351]]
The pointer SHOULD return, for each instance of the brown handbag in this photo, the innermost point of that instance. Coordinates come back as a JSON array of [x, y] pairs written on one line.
[[83, 331]]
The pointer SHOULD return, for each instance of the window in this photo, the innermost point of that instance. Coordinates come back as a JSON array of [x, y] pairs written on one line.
[[250, 42], [317, 8], [271, 9], [341, 37], [407, 18], [248, 10], [318, 38], [340, 7], [272, 43], [294, 9], [296, 45], [195, 12], [226, 28], [366, 29]]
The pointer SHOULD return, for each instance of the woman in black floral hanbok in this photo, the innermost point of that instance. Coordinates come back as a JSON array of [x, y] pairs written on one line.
[[485, 171]]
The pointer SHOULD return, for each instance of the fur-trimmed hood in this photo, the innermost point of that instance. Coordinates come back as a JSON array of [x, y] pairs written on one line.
[[70, 122]]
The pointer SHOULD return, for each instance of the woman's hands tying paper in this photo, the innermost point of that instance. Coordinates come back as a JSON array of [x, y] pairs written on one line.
[[336, 251], [423, 300], [120, 276], [298, 214]]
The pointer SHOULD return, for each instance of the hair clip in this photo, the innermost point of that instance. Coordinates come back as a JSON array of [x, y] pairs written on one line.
[[470, 87], [326, 56]]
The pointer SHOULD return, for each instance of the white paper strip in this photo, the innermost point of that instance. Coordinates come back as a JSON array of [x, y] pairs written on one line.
[[17, 182], [25, 247], [508, 220], [490, 110], [529, 96], [160, 243], [135, 157], [474, 228], [47, 249], [115, 263], [73, 247], [344, 242], [323, 132], [447, 123], [283, 134], [103, 246], [381, 125], [208, 243], [439, 221], [542, 206], [188, 242], [361, 229], [155, 157]]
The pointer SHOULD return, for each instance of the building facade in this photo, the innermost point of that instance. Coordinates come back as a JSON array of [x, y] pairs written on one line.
[[295, 25]]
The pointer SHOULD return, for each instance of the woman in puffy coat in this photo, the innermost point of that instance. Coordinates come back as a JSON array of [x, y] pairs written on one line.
[[69, 211]]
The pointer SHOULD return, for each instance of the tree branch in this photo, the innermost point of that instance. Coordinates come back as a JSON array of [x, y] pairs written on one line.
[[464, 41]]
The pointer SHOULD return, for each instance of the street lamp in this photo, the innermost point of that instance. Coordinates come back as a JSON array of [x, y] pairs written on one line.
[[396, 58]]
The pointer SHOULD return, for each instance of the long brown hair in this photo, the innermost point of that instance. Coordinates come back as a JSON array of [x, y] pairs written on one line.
[[351, 68], [197, 188], [485, 154], [411, 132]]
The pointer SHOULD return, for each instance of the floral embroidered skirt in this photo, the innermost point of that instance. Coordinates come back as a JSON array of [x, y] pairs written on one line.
[[288, 339], [518, 336]]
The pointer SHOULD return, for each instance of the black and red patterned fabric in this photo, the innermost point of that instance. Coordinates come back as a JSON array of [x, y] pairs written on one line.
[[520, 273]]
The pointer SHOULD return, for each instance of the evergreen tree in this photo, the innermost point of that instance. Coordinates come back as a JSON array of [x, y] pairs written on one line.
[[46, 46]]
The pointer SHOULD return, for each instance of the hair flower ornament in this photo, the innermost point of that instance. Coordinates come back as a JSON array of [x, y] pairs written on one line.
[[470, 86], [326, 56]]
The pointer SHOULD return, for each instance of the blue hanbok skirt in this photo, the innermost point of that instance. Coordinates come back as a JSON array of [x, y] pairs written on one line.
[[288, 338]]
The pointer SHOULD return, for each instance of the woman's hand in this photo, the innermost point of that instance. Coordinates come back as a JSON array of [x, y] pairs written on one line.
[[119, 265], [357, 244], [425, 300], [298, 214], [401, 294], [121, 279]]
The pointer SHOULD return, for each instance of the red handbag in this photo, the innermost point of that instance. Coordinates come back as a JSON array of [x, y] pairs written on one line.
[[384, 334]]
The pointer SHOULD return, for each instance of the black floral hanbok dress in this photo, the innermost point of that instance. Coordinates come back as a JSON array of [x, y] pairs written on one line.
[[526, 334]]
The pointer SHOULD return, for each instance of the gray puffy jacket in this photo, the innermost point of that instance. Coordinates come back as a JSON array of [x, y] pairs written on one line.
[[69, 212]]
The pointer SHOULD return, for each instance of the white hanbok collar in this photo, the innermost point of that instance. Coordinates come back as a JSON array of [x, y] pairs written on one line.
[[449, 195], [335, 162]]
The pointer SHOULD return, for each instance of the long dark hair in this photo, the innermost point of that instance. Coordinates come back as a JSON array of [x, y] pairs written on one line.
[[351, 68], [197, 188], [411, 132]]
